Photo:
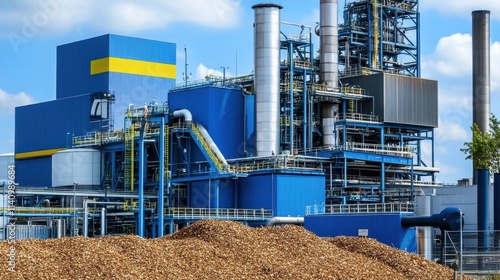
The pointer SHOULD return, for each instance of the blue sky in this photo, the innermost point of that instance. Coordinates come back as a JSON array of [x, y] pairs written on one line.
[[218, 33]]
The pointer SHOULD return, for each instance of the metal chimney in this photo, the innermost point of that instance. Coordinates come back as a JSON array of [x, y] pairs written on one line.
[[481, 69], [267, 78], [328, 64], [328, 42]]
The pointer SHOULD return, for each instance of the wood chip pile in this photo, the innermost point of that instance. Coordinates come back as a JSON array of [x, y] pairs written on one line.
[[212, 249]]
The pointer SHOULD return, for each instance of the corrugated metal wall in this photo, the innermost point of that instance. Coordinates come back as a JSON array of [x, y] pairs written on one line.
[[285, 194], [34, 172], [401, 99], [385, 228], [203, 194]]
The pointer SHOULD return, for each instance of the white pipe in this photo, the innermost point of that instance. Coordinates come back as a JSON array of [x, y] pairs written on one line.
[[285, 220], [212, 144], [183, 113]]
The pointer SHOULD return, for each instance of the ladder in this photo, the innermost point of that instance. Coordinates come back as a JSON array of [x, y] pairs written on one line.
[[128, 171]]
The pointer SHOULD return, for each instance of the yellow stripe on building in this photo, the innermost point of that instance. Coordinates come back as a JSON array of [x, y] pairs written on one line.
[[132, 66], [35, 154]]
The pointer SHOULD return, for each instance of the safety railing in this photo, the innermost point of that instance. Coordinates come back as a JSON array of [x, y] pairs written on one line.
[[219, 213], [360, 208], [402, 151], [96, 138], [359, 117]]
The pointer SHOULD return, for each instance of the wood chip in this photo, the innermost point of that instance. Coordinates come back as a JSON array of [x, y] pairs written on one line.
[[211, 249]]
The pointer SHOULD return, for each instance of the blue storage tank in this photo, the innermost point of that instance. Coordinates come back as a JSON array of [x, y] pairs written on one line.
[[287, 194], [220, 110], [384, 227]]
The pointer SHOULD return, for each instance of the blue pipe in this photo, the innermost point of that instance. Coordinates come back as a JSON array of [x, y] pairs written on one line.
[[142, 158], [496, 202], [482, 208], [161, 187]]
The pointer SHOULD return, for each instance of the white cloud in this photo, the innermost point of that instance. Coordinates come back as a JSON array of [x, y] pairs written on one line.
[[452, 57], [450, 131], [9, 101], [462, 8], [202, 71], [27, 19]]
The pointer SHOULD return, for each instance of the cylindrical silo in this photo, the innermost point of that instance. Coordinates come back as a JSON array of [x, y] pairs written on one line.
[[267, 78], [76, 166], [328, 42]]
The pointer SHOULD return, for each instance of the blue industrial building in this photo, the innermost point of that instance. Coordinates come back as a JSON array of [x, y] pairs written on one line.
[[343, 128]]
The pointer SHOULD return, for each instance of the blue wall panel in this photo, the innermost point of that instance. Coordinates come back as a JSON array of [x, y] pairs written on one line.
[[46, 125], [385, 228], [35, 172], [204, 194], [220, 111], [256, 192], [250, 148], [141, 49], [295, 192], [73, 67], [285, 194]]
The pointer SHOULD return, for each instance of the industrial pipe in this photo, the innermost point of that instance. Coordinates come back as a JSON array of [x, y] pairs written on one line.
[[285, 220], [212, 145], [183, 113], [448, 219]]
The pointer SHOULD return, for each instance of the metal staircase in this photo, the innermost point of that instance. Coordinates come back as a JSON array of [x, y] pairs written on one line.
[[213, 160]]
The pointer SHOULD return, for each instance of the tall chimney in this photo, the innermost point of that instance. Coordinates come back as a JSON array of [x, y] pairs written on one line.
[[480, 72], [328, 42], [328, 64], [267, 78]]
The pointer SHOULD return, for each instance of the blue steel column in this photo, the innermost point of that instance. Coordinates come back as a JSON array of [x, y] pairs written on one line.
[[482, 208], [496, 208], [290, 55], [304, 114], [113, 171], [382, 167], [161, 187], [141, 183]]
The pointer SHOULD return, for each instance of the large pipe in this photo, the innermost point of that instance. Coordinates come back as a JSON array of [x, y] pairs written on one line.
[[267, 78], [183, 113], [212, 145], [285, 220], [448, 219], [328, 43]]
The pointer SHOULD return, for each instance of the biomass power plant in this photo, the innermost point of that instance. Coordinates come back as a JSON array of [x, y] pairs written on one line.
[[331, 137]]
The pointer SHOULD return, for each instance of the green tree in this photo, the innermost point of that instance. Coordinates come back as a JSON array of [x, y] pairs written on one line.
[[484, 149]]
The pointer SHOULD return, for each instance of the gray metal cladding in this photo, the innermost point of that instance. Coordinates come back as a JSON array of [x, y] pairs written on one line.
[[401, 99], [267, 67]]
